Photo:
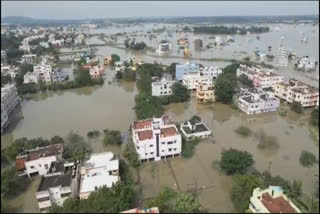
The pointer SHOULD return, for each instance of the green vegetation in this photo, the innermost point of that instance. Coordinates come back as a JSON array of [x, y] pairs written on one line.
[[5, 79], [226, 84], [171, 69], [94, 133], [315, 117], [296, 107], [180, 93], [234, 161], [131, 155], [307, 159], [75, 147], [134, 45], [114, 58], [147, 106], [112, 137], [12, 185], [169, 201], [282, 112], [244, 80], [129, 74], [229, 30], [11, 44], [266, 142], [243, 131], [188, 147]]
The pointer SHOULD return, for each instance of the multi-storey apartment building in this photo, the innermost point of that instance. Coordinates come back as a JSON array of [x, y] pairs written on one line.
[[95, 71], [211, 71], [28, 58], [271, 200], [162, 87], [181, 70], [30, 77], [9, 97], [192, 80], [43, 70], [156, 138], [260, 78], [295, 90], [258, 102], [100, 170], [39, 160], [4, 118], [58, 75], [205, 93]]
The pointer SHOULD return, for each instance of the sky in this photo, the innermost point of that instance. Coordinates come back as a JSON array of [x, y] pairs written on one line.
[[117, 9]]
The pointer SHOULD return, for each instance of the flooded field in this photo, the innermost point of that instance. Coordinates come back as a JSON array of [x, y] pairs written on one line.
[[111, 106]]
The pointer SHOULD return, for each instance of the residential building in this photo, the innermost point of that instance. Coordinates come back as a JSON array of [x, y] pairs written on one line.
[[30, 77], [145, 210], [95, 71], [57, 75], [3, 54], [9, 97], [28, 58], [183, 41], [271, 200], [156, 138], [100, 170], [162, 87], [4, 118], [185, 69], [192, 128], [107, 60], [260, 78], [295, 90], [187, 51], [258, 102], [283, 57], [44, 44], [219, 41], [205, 93], [192, 80], [38, 160], [212, 71], [9, 70], [306, 63], [198, 43], [58, 185], [25, 45], [163, 46], [43, 70]]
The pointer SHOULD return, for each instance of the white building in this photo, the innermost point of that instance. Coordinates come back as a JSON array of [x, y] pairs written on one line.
[[261, 78], [9, 97], [9, 70], [306, 63], [156, 138], [44, 44], [258, 102], [192, 129], [283, 57], [28, 58], [39, 160], [162, 87], [57, 75], [30, 77], [211, 71], [43, 70], [192, 80], [219, 41], [271, 200], [56, 186], [100, 170], [4, 118], [25, 45]]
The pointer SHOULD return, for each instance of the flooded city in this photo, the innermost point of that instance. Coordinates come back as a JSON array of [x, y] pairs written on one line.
[[111, 106]]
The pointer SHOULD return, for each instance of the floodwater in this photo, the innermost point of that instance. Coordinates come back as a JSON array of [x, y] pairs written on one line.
[[111, 106]]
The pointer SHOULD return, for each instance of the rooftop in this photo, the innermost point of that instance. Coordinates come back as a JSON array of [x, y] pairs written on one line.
[[142, 124], [102, 160], [51, 150], [167, 132], [276, 205], [197, 128], [63, 180], [146, 210]]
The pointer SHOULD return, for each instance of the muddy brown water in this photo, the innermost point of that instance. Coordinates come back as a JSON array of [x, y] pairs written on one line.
[[111, 106]]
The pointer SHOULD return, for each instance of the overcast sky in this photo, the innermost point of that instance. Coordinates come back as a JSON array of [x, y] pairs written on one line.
[[114, 9]]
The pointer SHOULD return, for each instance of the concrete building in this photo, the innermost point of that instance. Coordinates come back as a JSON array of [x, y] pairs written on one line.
[[192, 129], [205, 93], [100, 170], [28, 58], [156, 138], [192, 80], [162, 87], [43, 70], [306, 63], [271, 200], [283, 57], [10, 70], [163, 46], [260, 78], [219, 41], [58, 185], [185, 69], [9, 97], [4, 118], [295, 90], [145, 210], [211, 71], [38, 160], [258, 102], [57, 75], [95, 71], [30, 77]]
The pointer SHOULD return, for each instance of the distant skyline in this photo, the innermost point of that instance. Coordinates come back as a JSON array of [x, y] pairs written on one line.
[[120, 9]]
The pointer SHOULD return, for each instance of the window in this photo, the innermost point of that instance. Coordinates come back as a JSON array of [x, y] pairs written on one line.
[[146, 154], [151, 153], [95, 187], [162, 142], [46, 166], [175, 141], [31, 167], [138, 147], [175, 149], [39, 165], [170, 150], [151, 145], [170, 142]]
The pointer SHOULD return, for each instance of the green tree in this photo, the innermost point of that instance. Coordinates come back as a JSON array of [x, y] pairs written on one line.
[[131, 155], [12, 185], [296, 107], [186, 203], [83, 78], [171, 69], [180, 93], [56, 140], [144, 80], [243, 131], [315, 117], [114, 58], [75, 147], [242, 189], [164, 201], [244, 80], [307, 159], [112, 137], [5, 79], [234, 161], [226, 84], [129, 74], [147, 106]]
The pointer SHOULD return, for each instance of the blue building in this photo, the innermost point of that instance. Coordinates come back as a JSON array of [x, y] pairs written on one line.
[[185, 69]]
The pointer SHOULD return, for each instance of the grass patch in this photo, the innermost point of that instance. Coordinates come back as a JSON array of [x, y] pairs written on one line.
[[243, 131]]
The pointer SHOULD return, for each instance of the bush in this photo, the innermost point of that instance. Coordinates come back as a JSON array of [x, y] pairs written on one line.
[[112, 137], [244, 80], [188, 147], [296, 107], [267, 142], [307, 159], [114, 58], [147, 106], [180, 93], [234, 161], [243, 131], [282, 112], [131, 155], [94, 133], [315, 117], [226, 84], [11, 184]]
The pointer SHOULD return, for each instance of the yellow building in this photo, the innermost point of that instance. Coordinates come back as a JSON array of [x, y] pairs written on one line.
[[187, 51], [205, 93]]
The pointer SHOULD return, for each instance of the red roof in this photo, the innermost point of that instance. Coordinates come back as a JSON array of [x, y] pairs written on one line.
[[142, 124], [20, 163], [52, 150], [143, 135], [171, 131], [276, 205]]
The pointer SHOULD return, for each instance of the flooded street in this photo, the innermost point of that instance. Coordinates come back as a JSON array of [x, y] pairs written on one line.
[[110, 106]]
